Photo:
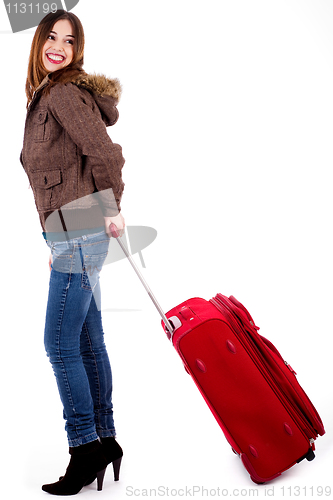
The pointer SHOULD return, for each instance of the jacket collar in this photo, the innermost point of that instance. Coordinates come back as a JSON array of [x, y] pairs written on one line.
[[43, 83]]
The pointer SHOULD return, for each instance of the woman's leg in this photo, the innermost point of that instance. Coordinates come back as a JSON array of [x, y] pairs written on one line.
[[67, 308], [98, 369]]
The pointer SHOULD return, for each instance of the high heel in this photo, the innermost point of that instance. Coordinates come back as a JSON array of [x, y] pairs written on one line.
[[100, 478], [116, 468], [113, 453]]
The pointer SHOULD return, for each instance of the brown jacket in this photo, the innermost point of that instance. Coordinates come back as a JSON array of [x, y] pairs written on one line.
[[73, 166]]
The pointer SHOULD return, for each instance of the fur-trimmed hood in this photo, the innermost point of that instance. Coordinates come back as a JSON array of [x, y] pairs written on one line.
[[106, 92], [100, 85]]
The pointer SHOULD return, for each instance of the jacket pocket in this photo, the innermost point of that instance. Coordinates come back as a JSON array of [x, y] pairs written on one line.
[[42, 126], [47, 187]]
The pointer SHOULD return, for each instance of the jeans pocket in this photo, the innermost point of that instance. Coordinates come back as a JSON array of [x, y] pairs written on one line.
[[63, 256], [92, 266]]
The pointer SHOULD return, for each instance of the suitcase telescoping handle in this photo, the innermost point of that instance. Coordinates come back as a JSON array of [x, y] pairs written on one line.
[[115, 234]]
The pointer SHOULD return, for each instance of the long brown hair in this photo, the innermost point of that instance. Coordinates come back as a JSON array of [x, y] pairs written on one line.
[[36, 69]]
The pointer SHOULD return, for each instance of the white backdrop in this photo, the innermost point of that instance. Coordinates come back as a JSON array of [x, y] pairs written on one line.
[[226, 126]]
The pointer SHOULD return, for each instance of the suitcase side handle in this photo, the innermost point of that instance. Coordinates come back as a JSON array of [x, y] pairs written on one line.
[[115, 234]]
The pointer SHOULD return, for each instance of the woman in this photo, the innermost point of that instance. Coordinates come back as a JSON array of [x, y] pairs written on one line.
[[75, 173]]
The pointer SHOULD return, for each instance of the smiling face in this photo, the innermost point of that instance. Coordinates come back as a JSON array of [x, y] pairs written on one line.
[[57, 52]]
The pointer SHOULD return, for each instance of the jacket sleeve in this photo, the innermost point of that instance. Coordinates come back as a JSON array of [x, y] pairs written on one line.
[[87, 130]]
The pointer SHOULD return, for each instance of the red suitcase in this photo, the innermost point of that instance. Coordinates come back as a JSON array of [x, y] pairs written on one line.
[[252, 392]]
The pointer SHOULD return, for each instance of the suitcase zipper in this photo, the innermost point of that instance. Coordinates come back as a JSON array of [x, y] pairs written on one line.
[[290, 368]]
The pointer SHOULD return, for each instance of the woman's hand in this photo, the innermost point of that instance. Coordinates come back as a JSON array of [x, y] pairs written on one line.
[[118, 220], [50, 262]]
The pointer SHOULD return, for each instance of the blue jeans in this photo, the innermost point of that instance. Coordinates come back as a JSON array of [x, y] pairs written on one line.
[[74, 338]]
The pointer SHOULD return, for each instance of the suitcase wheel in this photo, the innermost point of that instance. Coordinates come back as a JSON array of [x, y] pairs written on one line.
[[309, 456]]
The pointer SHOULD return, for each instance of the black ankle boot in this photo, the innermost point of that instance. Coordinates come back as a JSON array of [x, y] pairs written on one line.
[[86, 463], [113, 453]]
